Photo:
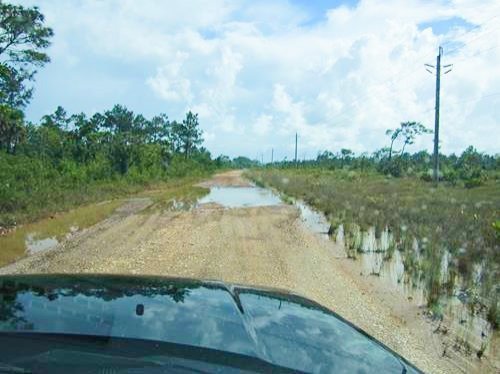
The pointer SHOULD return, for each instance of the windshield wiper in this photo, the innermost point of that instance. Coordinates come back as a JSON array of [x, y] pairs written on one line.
[[6, 368]]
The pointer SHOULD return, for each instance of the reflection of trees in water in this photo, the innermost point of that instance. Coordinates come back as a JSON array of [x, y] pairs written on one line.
[[11, 310], [105, 288]]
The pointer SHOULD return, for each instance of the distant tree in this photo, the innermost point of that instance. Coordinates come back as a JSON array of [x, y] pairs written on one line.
[[345, 155], [394, 134], [381, 154], [325, 156], [244, 162], [187, 135], [408, 131], [118, 120], [469, 164], [361, 162], [57, 119], [223, 161], [23, 39], [86, 135], [158, 129], [421, 160], [118, 124], [12, 129]]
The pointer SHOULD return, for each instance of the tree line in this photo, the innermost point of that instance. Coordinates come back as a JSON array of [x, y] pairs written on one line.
[[118, 139], [471, 168], [67, 157], [38, 162]]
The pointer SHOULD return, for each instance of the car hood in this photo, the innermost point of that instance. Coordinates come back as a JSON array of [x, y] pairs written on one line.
[[278, 327]]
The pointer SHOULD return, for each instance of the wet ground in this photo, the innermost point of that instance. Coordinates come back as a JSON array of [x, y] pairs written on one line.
[[47, 233], [240, 233]]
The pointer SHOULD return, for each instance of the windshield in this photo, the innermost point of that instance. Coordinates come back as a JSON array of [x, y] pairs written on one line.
[[345, 151]]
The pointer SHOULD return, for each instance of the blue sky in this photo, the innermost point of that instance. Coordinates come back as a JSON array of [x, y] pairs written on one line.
[[337, 72]]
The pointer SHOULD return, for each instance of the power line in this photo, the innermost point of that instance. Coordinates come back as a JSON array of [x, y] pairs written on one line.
[[463, 101], [478, 26], [479, 53], [478, 98], [450, 51], [400, 76]]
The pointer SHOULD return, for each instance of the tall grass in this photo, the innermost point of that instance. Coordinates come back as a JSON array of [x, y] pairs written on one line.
[[425, 222]]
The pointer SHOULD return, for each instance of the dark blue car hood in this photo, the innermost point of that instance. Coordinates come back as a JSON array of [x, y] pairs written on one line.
[[280, 328]]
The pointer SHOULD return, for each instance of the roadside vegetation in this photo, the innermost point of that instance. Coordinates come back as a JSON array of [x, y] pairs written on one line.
[[448, 235], [71, 160], [66, 160]]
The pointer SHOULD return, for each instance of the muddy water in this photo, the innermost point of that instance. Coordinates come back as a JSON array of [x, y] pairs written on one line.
[[240, 197], [471, 330], [47, 233], [34, 245], [312, 219], [243, 197]]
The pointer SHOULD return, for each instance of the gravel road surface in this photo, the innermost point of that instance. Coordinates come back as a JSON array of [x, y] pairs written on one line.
[[263, 246]]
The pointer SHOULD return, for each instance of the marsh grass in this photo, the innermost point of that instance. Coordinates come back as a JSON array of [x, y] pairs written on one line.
[[390, 250], [424, 221]]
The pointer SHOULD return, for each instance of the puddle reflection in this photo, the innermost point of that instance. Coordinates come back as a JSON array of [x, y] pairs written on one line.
[[240, 197]]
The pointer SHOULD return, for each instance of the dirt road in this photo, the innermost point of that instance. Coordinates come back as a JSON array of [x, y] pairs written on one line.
[[265, 246]]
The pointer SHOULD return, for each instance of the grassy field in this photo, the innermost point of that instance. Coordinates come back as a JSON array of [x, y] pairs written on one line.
[[425, 222]]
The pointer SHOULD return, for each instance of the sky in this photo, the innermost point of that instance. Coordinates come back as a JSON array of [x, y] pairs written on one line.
[[338, 73]]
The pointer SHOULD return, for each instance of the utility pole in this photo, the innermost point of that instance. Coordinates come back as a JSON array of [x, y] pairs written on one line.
[[436, 116], [296, 137], [436, 113], [272, 155]]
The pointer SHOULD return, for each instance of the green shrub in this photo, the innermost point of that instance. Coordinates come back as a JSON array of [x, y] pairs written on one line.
[[450, 175], [426, 176], [473, 182]]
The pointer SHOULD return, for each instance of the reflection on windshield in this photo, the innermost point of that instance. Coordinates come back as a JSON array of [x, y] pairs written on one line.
[[318, 341], [282, 330], [185, 314]]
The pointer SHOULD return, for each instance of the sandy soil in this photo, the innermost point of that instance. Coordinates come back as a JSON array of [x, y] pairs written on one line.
[[264, 246]]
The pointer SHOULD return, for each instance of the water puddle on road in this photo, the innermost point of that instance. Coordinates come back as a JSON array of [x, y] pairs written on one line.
[[313, 220], [34, 245], [244, 197], [46, 233], [240, 197]]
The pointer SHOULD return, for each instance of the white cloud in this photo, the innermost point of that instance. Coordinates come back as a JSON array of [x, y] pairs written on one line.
[[262, 125], [265, 68], [169, 82]]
